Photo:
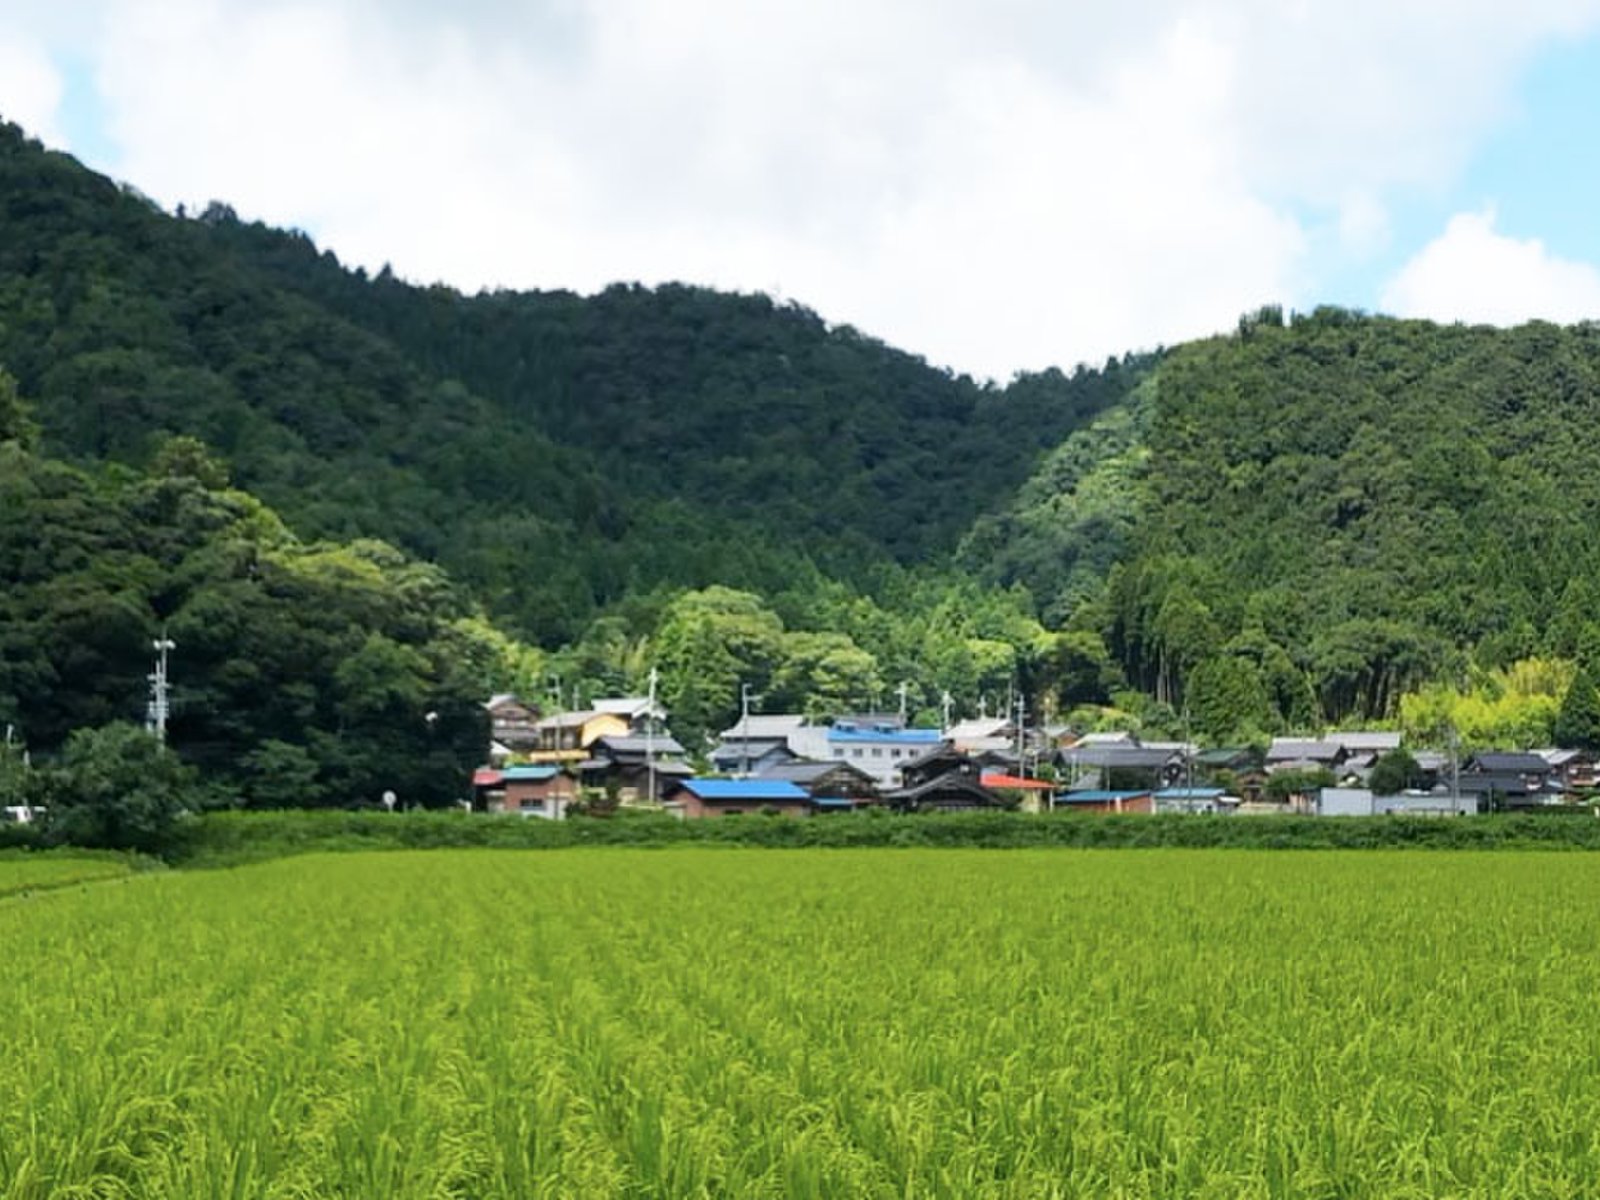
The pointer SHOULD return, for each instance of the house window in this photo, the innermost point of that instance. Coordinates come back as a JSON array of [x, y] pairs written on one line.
[[838, 752], [877, 752], [857, 753]]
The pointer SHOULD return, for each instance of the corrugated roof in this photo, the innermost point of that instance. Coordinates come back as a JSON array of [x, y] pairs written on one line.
[[764, 725], [531, 774], [1303, 749], [745, 789], [1016, 783], [487, 777], [890, 737], [1097, 796]]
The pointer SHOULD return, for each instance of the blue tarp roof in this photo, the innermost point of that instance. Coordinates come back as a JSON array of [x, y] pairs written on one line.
[[536, 774], [903, 737], [745, 789]]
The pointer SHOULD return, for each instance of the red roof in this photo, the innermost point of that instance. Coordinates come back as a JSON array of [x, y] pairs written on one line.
[[1016, 783], [487, 777]]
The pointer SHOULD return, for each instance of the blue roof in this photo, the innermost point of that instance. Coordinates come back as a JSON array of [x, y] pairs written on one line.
[[1096, 796], [535, 774], [832, 802], [1190, 793], [745, 789], [892, 737]]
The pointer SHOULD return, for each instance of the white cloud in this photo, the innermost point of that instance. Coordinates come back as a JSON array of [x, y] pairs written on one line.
[[1473, 274], [995, 184], [30, 87]]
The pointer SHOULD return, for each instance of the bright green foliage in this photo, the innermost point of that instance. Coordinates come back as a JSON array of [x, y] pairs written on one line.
[[1513, 706], [377, 1026]]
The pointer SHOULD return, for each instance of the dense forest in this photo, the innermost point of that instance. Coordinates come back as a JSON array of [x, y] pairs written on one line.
[[355, 502]]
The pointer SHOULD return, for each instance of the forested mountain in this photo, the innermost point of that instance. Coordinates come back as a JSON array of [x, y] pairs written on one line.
[[1309, 521], [556, 453]]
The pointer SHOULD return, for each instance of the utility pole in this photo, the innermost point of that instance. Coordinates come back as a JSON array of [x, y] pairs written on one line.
[[650, 740], [745, 696], [945, 701], [158, 708], [1022, 733], [1455, 774], [903, 691]]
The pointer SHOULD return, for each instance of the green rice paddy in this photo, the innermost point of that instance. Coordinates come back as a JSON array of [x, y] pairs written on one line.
[[20, 873], [722, 1022]]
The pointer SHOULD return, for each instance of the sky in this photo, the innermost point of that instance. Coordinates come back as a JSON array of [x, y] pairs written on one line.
[[996, 185]]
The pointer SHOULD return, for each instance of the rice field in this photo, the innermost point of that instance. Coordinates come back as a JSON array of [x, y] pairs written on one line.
[[20, 873], [719, 1022]]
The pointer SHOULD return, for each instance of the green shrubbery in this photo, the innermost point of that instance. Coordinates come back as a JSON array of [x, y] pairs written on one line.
[[215, 839]]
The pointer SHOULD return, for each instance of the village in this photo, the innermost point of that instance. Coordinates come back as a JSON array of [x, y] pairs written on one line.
[[619, 752]]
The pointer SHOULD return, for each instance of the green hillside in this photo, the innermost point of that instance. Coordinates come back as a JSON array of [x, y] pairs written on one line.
[[1300, 522], [558, 454]]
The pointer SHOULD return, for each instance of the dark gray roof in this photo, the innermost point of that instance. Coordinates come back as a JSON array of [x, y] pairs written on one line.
[[1496, 761], [806, 770], [1119, 756], [1303, 749]]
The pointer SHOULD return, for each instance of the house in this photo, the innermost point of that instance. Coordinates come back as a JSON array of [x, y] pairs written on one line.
[[1574, 770], [637, 711], [1120, 766], [1301, 754], [566, 738], [696, 798], [940, 759], [827, 781], [978, 734], [1373, 742], [1500, 780], [1106, 800], [513, 724], [950, 792], [879, 745], [756, 742], [628, 765], [542, 790]]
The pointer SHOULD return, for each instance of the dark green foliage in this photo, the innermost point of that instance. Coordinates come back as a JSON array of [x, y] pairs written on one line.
[[557, 454], [229, 839], [1394, 772], [1285, 785], [303, 673], [118, 788], [1577, 725]]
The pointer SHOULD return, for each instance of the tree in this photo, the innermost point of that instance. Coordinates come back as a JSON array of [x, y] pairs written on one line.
[[1394, 772], [118, 788], [1577, 723], [1284, 785]]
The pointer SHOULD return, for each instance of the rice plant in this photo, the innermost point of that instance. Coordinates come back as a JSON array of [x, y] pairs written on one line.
[[723, 1022]]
